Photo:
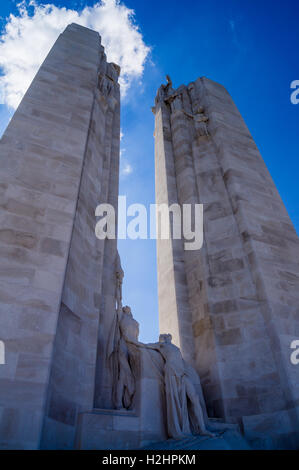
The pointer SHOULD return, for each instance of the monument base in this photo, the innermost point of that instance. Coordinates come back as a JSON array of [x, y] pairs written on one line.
[[112, 430], [272, 430], [129, 429]]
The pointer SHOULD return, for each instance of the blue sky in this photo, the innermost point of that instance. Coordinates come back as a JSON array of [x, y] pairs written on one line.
[[251, 47]]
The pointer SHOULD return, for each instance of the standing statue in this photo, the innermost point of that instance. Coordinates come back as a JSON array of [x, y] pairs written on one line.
[[175, 102], [125, 384], [200, 120], [105, 84], [168, 88], [185, 414], [129, 326], [122, 359], [120, 354], [173, 98], [164, 91]]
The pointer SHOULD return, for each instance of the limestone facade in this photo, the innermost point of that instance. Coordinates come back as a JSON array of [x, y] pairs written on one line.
[[59, 160], [232, 306]]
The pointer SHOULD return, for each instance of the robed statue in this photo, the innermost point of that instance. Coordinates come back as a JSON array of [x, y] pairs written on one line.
[[120, 353]]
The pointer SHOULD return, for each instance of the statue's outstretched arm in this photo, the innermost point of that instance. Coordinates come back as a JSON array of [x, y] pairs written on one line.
[[154, 346], [136, 343], [143, 345]]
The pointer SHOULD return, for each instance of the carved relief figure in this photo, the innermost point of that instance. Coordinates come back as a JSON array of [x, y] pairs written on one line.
[[185, 412], [125, 386], [175, 102], [200, 120], [185, 408], [164, 90], [128, 325], [168, 88], [173, 98], [105, 84], [120, 353], [123, 361]]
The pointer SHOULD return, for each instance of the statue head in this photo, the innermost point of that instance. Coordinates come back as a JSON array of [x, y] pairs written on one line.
[[169, 81], [127, 311], [165, 338]]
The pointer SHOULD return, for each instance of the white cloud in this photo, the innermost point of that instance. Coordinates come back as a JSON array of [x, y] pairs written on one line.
[[28, 37], [126, 169]]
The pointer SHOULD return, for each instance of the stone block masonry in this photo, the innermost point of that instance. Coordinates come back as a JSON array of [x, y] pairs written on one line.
[[59, 160], [232, 306]]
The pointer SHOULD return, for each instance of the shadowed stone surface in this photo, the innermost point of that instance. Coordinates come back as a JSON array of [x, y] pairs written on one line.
[[59, 160], [230, 440], [232, 307]]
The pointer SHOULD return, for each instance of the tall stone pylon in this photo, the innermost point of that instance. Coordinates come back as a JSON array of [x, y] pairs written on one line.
[[59, 159], [231, 306]]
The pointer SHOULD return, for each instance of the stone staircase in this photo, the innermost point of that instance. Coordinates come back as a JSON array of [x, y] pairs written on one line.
[[229, 439]]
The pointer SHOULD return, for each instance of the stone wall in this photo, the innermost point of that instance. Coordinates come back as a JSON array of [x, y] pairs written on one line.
[[129, 429], [59, 160], [234, 303]]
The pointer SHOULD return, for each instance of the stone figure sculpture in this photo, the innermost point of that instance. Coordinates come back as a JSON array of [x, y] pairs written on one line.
[[123, 359], [107, 78], [128, 325], [185, 413], [174, 99], [120, 353], [165, 91], [171, 97], [175, 102], [105, 85], [125, 387], [200, 120]]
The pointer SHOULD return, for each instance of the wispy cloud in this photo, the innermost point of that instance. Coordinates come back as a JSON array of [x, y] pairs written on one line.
[[236, 31], [126, 169], [29, 35]]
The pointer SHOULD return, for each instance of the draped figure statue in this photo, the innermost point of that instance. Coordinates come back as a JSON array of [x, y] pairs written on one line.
[[200, 120], [122, 360], [185, 412], [119, 352], [185, 407]]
